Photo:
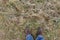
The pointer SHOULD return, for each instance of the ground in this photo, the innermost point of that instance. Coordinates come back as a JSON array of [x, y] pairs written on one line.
[[15, 15]]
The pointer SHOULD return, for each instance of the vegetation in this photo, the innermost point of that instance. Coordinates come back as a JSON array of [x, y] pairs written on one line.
[[15, 15]]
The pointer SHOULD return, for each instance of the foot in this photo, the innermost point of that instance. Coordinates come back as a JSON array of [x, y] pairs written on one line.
[[39, 31], [27, 30]]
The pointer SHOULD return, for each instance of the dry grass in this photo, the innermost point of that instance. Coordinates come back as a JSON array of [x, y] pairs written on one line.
[[15, 15]]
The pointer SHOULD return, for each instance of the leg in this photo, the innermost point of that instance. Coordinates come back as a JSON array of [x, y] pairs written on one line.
[[28, 34], [29, 37], [40, 37], [39, 34]]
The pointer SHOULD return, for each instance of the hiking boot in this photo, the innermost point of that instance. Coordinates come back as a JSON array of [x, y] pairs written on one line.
[[27, 30], [39, 31]]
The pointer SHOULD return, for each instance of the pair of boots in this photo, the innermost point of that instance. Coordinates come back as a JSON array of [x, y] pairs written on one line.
[[30, 37]]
